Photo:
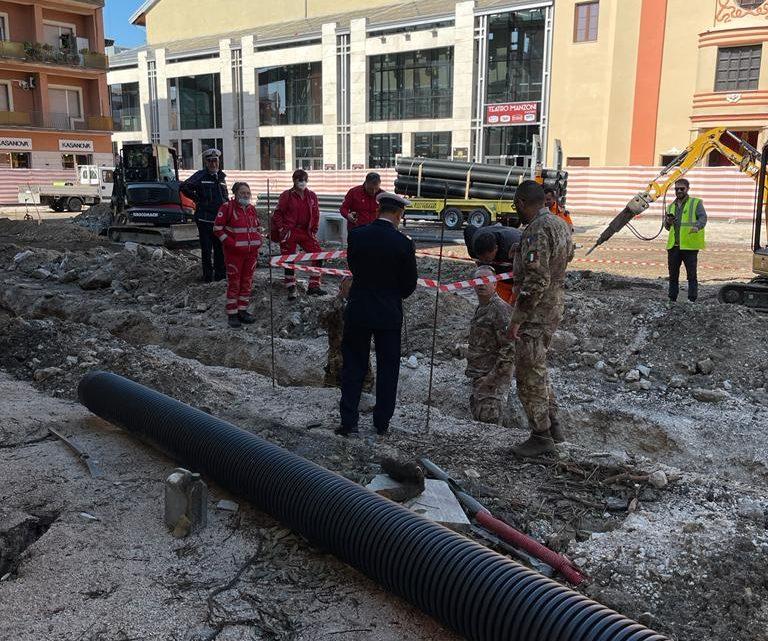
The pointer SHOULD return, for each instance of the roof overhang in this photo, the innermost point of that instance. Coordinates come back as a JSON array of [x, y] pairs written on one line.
[[139, 16]]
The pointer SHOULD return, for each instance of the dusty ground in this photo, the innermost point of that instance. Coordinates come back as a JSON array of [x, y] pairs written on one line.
[[85, 558]]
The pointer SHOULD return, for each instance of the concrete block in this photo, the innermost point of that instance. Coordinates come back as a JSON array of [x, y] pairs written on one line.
[[439, 504], [186, 503]]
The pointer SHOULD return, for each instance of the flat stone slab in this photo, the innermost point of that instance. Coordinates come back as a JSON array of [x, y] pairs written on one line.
[[436, 503]]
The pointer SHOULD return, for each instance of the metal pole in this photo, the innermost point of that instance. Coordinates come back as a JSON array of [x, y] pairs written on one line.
[[271, 293], [437, 305]]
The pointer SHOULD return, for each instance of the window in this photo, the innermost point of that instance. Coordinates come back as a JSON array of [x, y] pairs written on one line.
[[187, 154], [69, 161], [291, 95], [6, 97], [738, 68], [433, 144], [4, 33], [577, 161], [273, 154], [66, 105], [515, 56], [382, 149], [308, 152], [413, 84], [509, 145], [585, 22], [15, 160], [195, 102], [59, 35], [126, 106], [213, 143]]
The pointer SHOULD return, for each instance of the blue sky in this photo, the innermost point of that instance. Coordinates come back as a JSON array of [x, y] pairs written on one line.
[[116, 25]]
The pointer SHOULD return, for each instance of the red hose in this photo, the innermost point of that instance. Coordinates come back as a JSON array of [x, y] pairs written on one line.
[[518, 539]]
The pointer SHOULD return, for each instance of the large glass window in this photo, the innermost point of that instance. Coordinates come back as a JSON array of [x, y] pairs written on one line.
[[187, 153], [272, 154], [412, 84], [585, 21], [195, 102], [738, 68], [66, 108], [509, 145], [308, 152], [291, 95], [126, 106], [382, 149], [515, 56], [432, 144], [59, 36]]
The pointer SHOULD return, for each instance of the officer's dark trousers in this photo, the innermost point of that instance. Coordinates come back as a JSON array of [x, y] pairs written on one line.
[[675, 258], [209, 244], [355, 350]]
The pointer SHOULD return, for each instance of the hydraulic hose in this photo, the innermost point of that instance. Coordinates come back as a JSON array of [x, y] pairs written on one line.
[[469, 588]]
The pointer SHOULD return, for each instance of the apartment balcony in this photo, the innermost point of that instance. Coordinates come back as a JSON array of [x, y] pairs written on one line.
[[57, 121], [126, 119], [36, 53]]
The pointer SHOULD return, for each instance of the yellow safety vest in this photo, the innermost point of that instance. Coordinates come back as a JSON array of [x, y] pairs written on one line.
[[688, 240]]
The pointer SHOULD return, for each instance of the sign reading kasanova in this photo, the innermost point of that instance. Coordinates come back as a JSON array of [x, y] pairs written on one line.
[[512, 113], [75, 145], [15, 144]]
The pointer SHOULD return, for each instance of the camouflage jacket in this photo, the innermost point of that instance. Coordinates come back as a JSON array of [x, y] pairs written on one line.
[[545, 251], [490, 351]]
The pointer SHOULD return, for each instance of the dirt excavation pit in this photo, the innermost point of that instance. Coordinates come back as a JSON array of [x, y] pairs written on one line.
[[658, 495]]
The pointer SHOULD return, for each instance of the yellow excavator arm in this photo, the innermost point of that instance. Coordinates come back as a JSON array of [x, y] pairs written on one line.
[[746, 159]]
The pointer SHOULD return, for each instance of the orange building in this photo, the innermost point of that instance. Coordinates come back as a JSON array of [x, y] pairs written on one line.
[[54, 101]]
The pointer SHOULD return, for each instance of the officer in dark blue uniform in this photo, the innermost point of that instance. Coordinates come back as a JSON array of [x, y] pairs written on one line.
[[383, 265], [208, 188]]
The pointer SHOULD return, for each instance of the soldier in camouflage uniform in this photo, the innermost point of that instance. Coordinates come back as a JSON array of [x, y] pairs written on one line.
[[491, 354], [546, 249], [332, 320]]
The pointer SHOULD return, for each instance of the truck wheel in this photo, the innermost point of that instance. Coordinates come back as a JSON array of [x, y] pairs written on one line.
[[453, 218], [74, 204], [57, 205], [479, 218]]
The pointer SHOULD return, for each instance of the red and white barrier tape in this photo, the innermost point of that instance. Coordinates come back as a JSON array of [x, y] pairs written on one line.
[[295, 258], [424, 282]]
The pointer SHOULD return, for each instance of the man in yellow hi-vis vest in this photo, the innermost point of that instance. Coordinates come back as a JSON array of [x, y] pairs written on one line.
[[685, 221]]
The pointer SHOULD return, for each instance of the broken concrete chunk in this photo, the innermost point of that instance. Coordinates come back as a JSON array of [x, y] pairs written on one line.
[[88, 517], [40, 375], [439, 504], [227, 506], [393, 490], [632, 375], [707, 366], [658, 479], [412, 362], [41, 274], [100, 279], [709, 395], [644, 370]]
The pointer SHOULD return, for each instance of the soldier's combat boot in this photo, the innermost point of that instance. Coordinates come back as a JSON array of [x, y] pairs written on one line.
[[555, 431], [535, 445]]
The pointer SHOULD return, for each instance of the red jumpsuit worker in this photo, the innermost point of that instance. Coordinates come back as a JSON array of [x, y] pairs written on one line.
[[360, 206], [294, 226], [237, 227]]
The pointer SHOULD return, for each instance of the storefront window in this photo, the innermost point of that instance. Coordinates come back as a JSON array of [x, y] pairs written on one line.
[[195, 102], [515, 56], [412, 84], [291, 95], [383, 148], [308, 152], [15, 160], [70, 161], [272, 154], [433, 144], [509, 145]]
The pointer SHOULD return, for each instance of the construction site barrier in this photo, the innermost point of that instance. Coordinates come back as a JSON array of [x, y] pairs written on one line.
[[475, 591]]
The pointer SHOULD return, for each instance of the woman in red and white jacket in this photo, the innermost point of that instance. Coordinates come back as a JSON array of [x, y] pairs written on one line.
[[237, 227]]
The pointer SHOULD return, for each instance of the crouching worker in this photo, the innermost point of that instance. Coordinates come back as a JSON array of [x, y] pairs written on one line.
[[491, 353], [237, 227], [332, 320]]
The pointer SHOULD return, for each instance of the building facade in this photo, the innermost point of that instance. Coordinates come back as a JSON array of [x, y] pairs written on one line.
[[343, 84], [54, 101]]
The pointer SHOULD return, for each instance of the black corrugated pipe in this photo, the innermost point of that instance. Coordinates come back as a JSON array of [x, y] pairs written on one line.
[[502, 170], [469, 588]]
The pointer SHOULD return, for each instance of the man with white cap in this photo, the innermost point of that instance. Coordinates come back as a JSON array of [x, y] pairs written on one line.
[[208, 188], [383, 265]]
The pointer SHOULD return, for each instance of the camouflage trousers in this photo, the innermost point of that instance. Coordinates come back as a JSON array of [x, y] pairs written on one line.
[[332, 376], [533, 385], [489, 398]]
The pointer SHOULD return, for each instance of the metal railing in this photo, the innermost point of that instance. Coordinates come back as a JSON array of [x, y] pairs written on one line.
[[59, 121], [45, 53]]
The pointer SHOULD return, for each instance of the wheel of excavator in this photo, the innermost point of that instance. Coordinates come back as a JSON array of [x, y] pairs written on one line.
[[731, 294]]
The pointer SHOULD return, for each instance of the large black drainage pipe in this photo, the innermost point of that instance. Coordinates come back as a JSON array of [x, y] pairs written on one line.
[[480, 594]]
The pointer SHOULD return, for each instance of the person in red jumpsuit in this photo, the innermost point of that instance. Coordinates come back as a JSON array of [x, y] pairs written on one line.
[[237, 227], [294, 226], [360, 206]]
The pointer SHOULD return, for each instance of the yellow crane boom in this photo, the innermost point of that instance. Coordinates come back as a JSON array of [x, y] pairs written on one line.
[[746, 159]]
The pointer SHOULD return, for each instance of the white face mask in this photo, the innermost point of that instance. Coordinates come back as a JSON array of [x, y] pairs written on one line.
[[244, 201], [302, 184]]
